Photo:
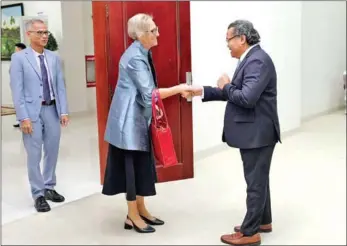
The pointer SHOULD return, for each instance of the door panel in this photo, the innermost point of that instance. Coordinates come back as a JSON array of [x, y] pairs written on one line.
[[184, 65], [171, 59], [116, 41], [164, 56], [101, 77]]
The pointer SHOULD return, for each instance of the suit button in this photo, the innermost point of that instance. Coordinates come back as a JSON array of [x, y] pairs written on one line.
[[41, 84], [40, 96]]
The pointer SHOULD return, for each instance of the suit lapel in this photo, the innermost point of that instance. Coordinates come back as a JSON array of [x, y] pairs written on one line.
[[148, 60], [152, 68], [239, 68], [50, 65], [244, 60], [30, 55]]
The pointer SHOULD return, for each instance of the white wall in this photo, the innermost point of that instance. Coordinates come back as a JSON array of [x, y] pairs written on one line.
[[72, 51], [279, 25], [306, 40], [89, 48], [77, 43], [323, 55]]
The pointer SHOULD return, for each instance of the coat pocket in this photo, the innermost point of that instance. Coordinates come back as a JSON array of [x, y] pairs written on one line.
[[249, 117], [28, 99]]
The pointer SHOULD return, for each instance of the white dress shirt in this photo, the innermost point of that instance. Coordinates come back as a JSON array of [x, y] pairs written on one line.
[[48, 71], [246, 52]]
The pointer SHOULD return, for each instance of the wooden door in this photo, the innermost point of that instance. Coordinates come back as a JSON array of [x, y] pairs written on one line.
[[172, 59]]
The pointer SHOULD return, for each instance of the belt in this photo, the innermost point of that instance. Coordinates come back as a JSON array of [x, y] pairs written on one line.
[[48, 104]]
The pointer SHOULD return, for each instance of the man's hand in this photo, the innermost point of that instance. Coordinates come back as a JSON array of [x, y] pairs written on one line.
[[197, 90], [26, 126], [184, 90], [222, 81], [64, 120], [191, 90]]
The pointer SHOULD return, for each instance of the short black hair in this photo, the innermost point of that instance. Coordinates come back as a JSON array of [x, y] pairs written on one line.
[[20, 45], [245, 27]]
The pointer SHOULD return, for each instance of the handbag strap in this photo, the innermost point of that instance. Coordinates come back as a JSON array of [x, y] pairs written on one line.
[[156, 100]]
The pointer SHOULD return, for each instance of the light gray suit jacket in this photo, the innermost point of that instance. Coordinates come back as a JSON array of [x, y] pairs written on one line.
[[131, 108], [26, 84]]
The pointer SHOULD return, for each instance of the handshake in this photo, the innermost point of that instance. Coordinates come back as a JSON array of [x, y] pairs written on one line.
[[188, 91]]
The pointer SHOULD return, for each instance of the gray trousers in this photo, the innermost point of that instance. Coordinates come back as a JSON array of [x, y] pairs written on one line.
[[46, 133]]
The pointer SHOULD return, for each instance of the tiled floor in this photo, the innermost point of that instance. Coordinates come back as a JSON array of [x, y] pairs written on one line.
[[78, 166], [308, 183]]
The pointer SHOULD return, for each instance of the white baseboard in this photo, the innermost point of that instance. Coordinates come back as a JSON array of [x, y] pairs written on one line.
[[7, 105], [202, 154], [82, 114], [314, 116]]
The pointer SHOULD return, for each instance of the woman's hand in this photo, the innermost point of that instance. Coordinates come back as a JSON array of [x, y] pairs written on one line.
[[185, 90]]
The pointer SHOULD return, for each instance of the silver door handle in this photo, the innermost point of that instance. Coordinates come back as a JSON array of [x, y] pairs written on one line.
[[189, 81]]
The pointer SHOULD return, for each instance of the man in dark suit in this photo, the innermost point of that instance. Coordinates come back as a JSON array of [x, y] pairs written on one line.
[[250, 124]]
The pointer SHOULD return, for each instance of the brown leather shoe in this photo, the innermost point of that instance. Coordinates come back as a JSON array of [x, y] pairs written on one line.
[[263, 228], [238, 239]]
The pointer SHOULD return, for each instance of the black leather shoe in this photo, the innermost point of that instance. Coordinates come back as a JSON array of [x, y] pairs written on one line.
[[152, 222], [53, 196], [147, 229], [41, 205]]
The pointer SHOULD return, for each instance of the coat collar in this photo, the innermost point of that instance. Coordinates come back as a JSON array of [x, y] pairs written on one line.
[[143, 50], [31, 57], [249, 53], [245, 54]]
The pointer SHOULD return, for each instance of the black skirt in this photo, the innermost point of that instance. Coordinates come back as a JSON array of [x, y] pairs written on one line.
[[130, 172]]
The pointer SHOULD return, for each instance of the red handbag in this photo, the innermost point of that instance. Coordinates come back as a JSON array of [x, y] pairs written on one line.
[[163, 146]]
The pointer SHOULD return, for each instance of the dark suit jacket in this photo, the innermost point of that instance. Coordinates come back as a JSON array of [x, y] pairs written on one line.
[[251, 118]]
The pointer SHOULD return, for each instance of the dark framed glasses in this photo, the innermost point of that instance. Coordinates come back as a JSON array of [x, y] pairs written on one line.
[[41, 33]]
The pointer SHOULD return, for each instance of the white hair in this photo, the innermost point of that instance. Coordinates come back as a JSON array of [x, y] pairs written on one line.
[[138, 25], [31, 22]]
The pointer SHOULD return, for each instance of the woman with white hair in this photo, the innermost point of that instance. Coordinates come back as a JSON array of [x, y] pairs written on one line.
[[130, 163]]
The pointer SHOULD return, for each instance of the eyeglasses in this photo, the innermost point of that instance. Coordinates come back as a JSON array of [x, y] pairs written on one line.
[[229, 39], [41, 33], [155, 30]]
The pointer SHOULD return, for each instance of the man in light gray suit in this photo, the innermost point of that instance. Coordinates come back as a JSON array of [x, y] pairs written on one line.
[[39, 97]]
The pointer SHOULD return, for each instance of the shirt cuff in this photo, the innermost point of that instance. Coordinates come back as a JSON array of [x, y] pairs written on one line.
[[202, 93]]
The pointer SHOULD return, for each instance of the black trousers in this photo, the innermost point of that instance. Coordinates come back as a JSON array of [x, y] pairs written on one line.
[[256, 167]]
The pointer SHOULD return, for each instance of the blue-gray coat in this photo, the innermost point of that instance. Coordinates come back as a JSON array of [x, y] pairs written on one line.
[[131, 107], [26, 84]]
